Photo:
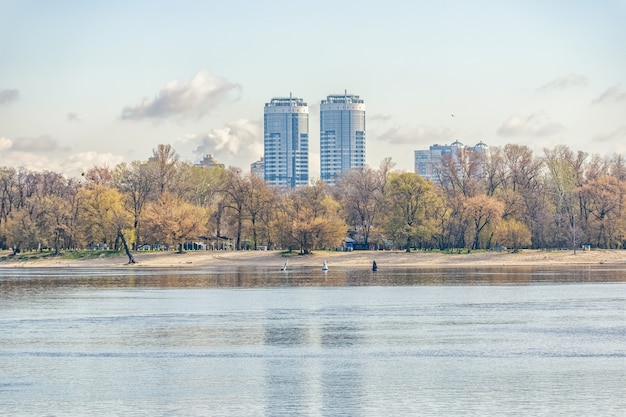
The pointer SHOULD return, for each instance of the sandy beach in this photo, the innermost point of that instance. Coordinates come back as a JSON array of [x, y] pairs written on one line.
[[356, 259]]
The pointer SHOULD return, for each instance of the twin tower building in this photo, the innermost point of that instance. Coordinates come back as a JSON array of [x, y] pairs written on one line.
[[286, 139]]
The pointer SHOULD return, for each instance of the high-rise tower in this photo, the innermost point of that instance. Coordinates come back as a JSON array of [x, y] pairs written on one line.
[[286, 142], [342, 135]]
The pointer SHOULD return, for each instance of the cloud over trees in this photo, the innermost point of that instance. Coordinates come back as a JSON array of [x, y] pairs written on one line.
[[193, 99], [239, 137], [407, 135], [535, 124]]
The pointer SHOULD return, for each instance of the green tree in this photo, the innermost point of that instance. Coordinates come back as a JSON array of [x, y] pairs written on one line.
[[409, 197], [513, 234]]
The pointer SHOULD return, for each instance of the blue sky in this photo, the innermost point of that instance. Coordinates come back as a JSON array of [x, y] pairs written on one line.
[[84, 83]]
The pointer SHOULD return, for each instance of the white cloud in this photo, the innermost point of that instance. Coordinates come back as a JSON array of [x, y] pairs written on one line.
[[76, 163], [69, 165], [536, 124], [28, 160], [5, 144], [611, 94], [8, 95], [379, 117], [42, 143], [617, 134], [571, 80], [241, 138], [193, 99], [404, 135]]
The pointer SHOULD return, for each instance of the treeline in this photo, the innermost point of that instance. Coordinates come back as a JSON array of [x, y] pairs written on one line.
[[504, 196]]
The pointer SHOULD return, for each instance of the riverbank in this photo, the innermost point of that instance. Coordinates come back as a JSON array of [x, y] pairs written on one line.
[[356, 259]]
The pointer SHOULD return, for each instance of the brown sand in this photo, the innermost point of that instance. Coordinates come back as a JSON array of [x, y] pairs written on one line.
[[356, 259]]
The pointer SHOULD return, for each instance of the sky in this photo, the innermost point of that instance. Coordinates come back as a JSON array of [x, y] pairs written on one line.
[[85, 83]]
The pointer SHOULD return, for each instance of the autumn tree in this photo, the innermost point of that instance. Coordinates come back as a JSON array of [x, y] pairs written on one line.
[[172, 221], [104, 219], [483, 214], [236, 189], [602, 203], [258, 207], [564, 174], [21, 230], [32, 199], [360, 192], [311, 219], [56, 222], [135, 183], [8, 195]]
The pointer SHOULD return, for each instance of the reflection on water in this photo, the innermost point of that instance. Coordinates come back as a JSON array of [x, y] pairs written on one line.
[[248, 277], [256, 342]]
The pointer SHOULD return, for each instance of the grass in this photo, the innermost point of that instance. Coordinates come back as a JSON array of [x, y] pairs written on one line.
[[65, 254]]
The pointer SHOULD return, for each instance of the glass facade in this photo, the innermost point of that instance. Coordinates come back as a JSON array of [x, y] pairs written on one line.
[[342, 136], [286, 142]]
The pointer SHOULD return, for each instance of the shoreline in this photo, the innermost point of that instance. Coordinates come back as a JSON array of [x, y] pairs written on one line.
[[354, 259]]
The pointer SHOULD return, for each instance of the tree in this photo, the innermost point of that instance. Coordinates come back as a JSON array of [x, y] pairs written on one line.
[[99, 175], [21, 231], [513, 233], [602, 203], [171, 220], [236, 190], [459, 173], [164, 163], [103, 217], [55, 224], [408, 198], [260, 200], [482, 211], [134, 182], [311, 219], [493, 169], [360, 192]]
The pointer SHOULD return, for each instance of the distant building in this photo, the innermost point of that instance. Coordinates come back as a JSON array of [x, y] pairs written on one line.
[[428, 161], [258, 168], [286, 142], [209, 161], [342, 135]]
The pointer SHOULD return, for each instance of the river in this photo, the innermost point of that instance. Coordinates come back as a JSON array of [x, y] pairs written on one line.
[[258, 342]]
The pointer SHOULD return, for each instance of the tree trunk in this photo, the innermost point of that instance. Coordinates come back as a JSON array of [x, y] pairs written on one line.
[[131, 259]]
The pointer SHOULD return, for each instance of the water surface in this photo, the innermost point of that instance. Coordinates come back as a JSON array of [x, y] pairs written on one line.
[[258, 342]]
